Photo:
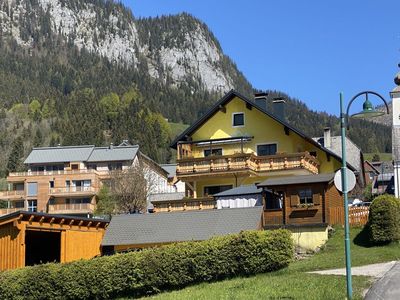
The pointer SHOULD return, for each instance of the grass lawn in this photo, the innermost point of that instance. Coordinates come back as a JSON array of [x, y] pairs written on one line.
[[383, 156], [293, 282]]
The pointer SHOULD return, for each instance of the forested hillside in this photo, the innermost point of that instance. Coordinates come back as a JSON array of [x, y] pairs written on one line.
[[88, 72]]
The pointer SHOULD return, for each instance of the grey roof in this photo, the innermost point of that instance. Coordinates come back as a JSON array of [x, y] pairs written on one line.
[[88, 153], [166, 197], [180, 226], [117, 153], [303, 179], [241, 190], [170, 168], [59, 154]]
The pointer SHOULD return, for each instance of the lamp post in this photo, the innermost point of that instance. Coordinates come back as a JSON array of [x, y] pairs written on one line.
[[368, 111]]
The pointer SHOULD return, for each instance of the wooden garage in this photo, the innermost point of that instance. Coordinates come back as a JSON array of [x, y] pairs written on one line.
[[28, 238]]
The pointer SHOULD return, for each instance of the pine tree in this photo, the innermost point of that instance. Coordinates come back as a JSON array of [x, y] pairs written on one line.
[[15, 158]]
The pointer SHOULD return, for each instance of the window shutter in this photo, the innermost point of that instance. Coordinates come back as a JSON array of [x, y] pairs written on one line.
[[294, 199], [316, 199]]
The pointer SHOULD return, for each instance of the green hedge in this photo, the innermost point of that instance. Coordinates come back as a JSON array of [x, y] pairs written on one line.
[[152, 270], [384, 219]]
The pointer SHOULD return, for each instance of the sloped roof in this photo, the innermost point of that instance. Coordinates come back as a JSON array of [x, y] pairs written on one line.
[[170, 168], [303, 179], [240, 190], [166, 196], [59, 154], [180, 226], [226, 99], [117, 153], [88, 153]]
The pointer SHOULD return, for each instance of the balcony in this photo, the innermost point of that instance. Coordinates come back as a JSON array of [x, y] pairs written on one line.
[[244, 162], [73, 191], [58, 172], [184, 204], [12, 195], [71, 208], [6, 211]]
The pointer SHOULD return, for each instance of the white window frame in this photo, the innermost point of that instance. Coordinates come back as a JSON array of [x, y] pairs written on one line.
[[268, 143], [233, 119]]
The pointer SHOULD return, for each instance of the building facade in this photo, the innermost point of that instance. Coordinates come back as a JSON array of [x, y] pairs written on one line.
[[66, 180]]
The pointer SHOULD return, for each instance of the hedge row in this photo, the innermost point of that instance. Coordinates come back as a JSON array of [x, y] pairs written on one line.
[[384, 219], [152, 270]]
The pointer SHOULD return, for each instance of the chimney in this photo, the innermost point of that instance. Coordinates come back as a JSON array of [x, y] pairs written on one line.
[[279, 108], [261, 99], [327, 137], [111, 146]]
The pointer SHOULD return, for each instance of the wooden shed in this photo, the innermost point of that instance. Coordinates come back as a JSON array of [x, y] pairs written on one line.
[[29, 238]]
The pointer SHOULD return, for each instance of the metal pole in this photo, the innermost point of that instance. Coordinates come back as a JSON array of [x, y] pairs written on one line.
[[346, 207]]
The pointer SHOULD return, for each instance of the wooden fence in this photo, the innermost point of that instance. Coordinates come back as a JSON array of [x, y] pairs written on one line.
[[358, 216]]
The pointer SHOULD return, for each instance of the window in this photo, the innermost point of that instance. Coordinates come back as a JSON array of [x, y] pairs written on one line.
[[32, 189], [32, 205], [19, 204], [74, 167], [211, 190], [115, 166], [306, 196], [92, 166], [209, 152], [238, 119], [267, 149], [51, 184], [274, 200]]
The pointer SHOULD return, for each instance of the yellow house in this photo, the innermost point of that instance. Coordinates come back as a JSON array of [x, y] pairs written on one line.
[[238, 141]]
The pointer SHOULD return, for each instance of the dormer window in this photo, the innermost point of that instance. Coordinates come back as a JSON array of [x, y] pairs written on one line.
[[238, 119]]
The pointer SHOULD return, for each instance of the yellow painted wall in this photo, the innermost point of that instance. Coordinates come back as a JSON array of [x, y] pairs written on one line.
[[309, 238], [12, 247], [263, 128]]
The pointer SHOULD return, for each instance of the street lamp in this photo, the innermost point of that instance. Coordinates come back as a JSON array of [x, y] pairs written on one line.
[[368, 111]]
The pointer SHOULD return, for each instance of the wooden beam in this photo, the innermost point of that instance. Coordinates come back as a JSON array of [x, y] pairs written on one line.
[[71, 222], [249, 106], [52, 220], [41, 220], [90, 223], [98, 224], [80, 223], [222, 108], [287, 130], [31, 218], [62, 221]]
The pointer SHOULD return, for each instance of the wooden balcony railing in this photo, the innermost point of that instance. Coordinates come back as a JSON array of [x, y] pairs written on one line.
[[87, 190], [6, 195], [251, 162], [6, 211], [58, 172], [184, 204], [71, 208]]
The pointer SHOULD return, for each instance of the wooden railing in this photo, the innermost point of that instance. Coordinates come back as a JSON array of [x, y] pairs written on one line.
[[71, 207], [184, 204], [73, 189], [252, 162], [273, 217], [6, 211], [58, 172], [11, 194], [358, 216]]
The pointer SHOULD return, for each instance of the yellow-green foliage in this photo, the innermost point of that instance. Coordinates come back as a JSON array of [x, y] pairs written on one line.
[[152, 270], [384, 219]]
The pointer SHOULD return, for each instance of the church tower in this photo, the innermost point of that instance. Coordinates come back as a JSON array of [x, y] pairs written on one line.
[[395, 95]]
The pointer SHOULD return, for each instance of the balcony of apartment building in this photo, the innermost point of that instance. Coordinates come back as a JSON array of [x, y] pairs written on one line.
[[72, 206], [199, 158]]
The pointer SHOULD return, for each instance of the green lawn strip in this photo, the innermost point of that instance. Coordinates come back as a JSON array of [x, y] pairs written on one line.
[[285, 285], [382, 156], [362, 253], [294, 282]]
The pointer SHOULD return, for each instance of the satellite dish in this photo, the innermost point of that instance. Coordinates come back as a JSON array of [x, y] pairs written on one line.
[[351, 180]]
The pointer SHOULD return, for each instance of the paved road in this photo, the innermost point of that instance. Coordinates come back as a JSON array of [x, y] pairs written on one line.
[[386, 288]]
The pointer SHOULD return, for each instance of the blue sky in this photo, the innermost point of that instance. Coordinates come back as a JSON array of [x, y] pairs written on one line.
[[311, 50]]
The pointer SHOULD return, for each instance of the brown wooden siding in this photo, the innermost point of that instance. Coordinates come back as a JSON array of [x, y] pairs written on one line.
[[12, 247]]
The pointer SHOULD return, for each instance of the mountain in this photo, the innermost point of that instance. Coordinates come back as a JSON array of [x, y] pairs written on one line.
[[89, 72]]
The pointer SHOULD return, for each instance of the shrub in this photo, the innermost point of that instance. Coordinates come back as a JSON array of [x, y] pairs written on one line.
[[384, 219], [152, 270]]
